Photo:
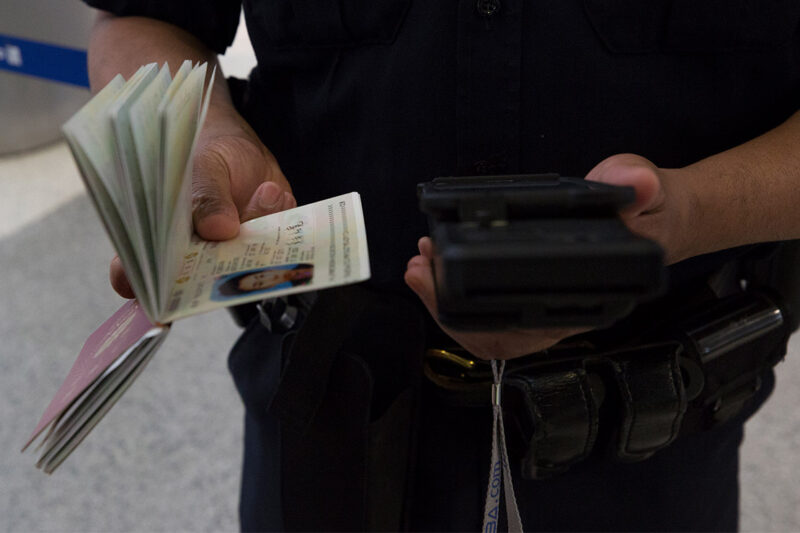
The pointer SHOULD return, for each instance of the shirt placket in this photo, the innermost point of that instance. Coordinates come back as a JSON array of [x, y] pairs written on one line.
[[488, 84]]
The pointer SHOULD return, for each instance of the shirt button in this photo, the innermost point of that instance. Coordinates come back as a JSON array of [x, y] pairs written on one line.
[[487, 8]]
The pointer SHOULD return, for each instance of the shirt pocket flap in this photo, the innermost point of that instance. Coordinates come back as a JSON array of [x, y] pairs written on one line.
[[327, 23], [652, 26]]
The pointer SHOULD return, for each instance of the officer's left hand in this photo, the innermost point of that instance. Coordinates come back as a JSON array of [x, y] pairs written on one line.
[[507, 344], [660, 212]]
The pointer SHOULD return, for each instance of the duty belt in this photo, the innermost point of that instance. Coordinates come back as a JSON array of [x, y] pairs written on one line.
[[687, 377], [680, 377]]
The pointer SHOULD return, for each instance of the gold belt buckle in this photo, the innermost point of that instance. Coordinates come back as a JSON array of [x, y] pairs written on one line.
[[456, 364], [446, 355]]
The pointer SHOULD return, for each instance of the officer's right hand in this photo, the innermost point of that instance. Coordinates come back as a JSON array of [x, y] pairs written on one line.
[[235, 178]]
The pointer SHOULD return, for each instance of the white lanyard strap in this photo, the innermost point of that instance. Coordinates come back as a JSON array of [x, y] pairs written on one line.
[[499, 472]]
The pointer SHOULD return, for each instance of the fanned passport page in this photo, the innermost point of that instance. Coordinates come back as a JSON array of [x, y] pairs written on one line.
[[133, 143]]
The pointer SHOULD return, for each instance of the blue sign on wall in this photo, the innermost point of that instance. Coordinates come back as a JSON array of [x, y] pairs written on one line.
[[48, 61]]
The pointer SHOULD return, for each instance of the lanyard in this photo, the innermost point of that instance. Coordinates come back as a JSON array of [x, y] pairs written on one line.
[[499, 472]]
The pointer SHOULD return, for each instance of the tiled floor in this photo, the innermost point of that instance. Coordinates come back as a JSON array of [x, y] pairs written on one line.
[[34, 184], [167, 457]]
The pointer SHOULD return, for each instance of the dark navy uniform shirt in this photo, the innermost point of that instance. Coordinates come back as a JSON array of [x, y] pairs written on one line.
[[378, 95]]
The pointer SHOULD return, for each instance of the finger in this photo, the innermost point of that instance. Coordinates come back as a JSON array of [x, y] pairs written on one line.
[[119, 281], [267, 199], [419, 277], [629, 170], [425, 245], [214, 213]]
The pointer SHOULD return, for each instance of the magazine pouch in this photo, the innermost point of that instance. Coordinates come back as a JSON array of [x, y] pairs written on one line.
[[554, 409], [653, 398], [346, 401], [560, 407]]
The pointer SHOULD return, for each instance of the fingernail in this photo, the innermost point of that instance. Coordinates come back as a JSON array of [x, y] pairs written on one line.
[[269, 197]]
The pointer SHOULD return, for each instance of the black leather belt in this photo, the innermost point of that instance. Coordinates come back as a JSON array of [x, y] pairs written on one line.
[[697, 373]]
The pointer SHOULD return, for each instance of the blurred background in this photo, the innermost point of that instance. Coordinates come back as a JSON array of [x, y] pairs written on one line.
[[167, 457]]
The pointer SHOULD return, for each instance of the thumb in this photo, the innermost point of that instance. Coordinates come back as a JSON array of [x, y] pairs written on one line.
[[629, 170], [213, 211]]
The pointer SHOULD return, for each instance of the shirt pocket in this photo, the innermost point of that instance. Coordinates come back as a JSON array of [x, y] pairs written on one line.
[[674, 26], [325, 23]]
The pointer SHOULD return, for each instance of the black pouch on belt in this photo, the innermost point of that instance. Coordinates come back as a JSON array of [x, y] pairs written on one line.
[[728, 349], [556, 409]]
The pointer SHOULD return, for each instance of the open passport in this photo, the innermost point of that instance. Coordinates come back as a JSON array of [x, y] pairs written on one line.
[[133, 143]]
